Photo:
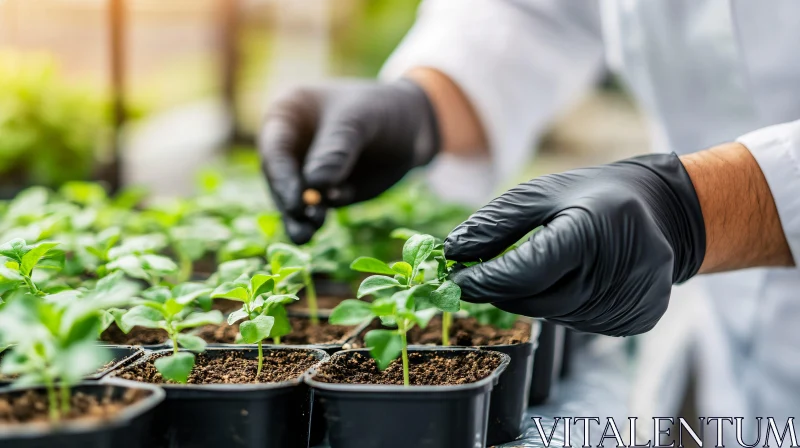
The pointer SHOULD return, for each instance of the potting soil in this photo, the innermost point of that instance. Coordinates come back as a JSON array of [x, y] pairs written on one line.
[[424, 370]]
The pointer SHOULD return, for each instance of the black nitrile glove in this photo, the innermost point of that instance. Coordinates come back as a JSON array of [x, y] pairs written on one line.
[[615, 238], [349, 140]]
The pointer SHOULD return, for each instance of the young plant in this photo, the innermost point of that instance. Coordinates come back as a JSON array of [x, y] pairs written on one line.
[[136, 257], [263, 298], [404, 298], [319, 256], [53, 338], [488, 314], [172, 310], [22, 258]]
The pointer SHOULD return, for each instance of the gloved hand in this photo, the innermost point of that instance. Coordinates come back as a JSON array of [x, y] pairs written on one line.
[[349, 140], [614, 239]]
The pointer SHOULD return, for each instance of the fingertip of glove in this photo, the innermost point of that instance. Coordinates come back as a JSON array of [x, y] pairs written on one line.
[[299, 232]]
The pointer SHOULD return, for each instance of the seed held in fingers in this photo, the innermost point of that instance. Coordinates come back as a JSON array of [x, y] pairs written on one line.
[[312, 197]]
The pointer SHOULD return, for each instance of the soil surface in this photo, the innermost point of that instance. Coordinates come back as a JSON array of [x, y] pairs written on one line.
[[303, 333], [423, 369], [31, 407], [137, 336], [232, 368], [464, 332]]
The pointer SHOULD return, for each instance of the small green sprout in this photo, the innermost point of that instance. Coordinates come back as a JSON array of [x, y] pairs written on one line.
[[23, 258], [172, 310], [403, 298], [263, 298], [53, 337]]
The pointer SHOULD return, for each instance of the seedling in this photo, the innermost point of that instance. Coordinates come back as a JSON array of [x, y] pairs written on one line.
[[23, 258], [172, 310], [54, 337], [322, 255], [136, 257], [263, 298], [403, 298]]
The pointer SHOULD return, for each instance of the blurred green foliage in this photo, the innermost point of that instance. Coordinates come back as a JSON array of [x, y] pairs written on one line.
[[363, 42], [49, 130]]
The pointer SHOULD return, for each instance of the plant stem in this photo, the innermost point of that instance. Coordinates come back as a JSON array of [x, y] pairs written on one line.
[[31, 286], [174, 346], [277, 340], [311, 297], [260, 359], [402, 329], [447, 320], [52, 400], [65, 396]]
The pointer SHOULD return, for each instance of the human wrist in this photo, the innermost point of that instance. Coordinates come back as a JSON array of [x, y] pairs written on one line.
[[459, 127], [742, 225]]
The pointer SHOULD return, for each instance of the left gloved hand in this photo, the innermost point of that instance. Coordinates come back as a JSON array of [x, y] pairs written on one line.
[[615, 238]]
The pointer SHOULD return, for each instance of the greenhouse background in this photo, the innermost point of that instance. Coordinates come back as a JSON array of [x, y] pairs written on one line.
[[86, 83]]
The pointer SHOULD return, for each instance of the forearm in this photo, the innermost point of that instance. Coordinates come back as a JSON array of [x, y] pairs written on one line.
[[460, 128], [743, 228]]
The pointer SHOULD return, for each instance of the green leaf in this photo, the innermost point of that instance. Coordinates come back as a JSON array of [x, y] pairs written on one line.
[[84, 193], [84, 329], [294, 255], [384, 346], [375, 283], [269, 224], [371, 265], [262, 283], [176, 367], [14, 249], [191, 342], [30, 259], [282, 325], [280, 299], [213, 317], [447, 297], [256, 330], [231, 292], [385, 306], [402, 268], [417, 249], [422, 317], [350, 312], [141, 316], [237, 315], [187, 293], [172, 307], [158, 294]]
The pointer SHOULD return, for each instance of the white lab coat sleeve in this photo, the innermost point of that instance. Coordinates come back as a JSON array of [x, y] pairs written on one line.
[[518, 61], [777, 151]]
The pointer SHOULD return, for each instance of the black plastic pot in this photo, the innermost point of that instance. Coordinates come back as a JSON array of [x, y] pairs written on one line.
[[546, 362], [221, 415], [318, 428], [509, 396], [128, 429], [384, 416], [122, 355]]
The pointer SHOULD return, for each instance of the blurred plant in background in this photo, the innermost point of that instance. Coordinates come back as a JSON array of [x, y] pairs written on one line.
[[51, 131]]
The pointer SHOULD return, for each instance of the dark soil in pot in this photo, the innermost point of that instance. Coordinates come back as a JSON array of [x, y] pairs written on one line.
[[509, 397], [231, 368], [226, 306], [446, 405], [423, 369], [137, 336], [304, 333], [223, 405], [108, 415], [31, 407]]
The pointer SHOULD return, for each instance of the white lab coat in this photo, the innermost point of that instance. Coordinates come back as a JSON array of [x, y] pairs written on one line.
[[705, 72]]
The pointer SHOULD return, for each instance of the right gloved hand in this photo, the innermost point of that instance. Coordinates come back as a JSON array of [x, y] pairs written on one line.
[[349, 140]]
